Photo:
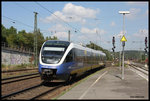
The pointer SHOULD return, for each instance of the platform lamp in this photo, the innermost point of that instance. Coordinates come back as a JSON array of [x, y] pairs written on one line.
[[123, 12]]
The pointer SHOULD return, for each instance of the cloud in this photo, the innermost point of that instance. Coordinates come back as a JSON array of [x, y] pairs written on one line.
[[79, 11], [59, 31], [120, 34], [62, 32], [71, 13], [137, 3], [141, 33], [61, 35], [75, 18], [55, 17], [88, 31], [112, 23], [92, 31], [134, 13], [58, 28], [94, 35], [147, 12]]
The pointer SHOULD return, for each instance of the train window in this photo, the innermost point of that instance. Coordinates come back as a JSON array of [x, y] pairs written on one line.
[[69, 57]]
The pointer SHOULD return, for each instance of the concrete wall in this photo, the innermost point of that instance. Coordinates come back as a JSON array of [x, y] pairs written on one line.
[[12, 57]]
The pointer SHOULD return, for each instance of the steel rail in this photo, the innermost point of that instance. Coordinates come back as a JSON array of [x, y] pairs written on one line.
[[134, 66], [19, 76], [51, 90], [139, 66], [44, 93], [20, 79], [14, 93], [7, 71]]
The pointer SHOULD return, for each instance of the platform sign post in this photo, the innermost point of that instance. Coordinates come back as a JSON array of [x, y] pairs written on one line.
[[123, 39]]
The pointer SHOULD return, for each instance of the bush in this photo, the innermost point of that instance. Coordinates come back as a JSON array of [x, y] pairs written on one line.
[[3, 66]]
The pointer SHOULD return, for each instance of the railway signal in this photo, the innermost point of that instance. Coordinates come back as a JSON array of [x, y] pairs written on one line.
[[113, 49], [145, 45], [145, 50], [113, 42], [146, 41]]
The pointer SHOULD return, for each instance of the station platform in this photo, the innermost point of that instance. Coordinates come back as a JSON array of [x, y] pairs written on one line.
[[108, 84]]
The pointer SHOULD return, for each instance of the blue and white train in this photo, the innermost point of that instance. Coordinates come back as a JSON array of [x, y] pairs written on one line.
[[63, 60]]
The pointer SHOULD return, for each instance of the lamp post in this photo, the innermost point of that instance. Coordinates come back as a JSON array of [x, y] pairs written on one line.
[[123, 43], [69, 31], [96, 19], [124, 12], [35, 39]]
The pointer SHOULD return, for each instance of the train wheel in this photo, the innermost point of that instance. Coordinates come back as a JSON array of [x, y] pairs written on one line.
[[67, 82], [44, 82]]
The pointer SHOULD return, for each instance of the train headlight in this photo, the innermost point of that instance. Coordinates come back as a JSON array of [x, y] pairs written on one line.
[[69, 67], [47, 71]]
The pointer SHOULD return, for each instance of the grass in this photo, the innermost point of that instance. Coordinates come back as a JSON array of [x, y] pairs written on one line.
[[118, 64], [16, 67], [16, 74]]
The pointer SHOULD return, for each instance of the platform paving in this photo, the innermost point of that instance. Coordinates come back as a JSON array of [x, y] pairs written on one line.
[[107, 84]]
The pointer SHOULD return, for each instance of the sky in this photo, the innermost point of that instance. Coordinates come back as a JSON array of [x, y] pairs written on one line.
[[96, 21]]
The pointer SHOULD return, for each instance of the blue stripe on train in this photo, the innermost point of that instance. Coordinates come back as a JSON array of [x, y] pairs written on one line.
[[61, 69]]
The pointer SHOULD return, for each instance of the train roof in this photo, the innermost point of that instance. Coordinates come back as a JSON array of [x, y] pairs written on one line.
[[86, 48], [77, 46], [57, 42]]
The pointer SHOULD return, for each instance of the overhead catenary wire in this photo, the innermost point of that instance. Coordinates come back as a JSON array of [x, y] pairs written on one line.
[[60, 19], [31, 26], [54, 14], [18, 21], [48, 11], [22, 23], [23, 7], [30, 11]]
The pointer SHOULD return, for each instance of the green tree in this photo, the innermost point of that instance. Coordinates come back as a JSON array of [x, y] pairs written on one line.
[[51, 38], [3, 29], [30, 42], [21, 39], [40, 39], [11, 34], [96, 47]]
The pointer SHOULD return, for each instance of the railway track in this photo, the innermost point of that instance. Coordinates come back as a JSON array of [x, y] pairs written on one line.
[[17, 83], [8, 71], [11, 73], [17, 92], [44, 90], [33, 92], [140, 66], [19, 78], [36, 92], [140, 70]]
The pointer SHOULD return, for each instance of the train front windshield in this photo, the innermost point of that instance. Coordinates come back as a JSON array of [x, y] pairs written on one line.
[[53, 51]]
